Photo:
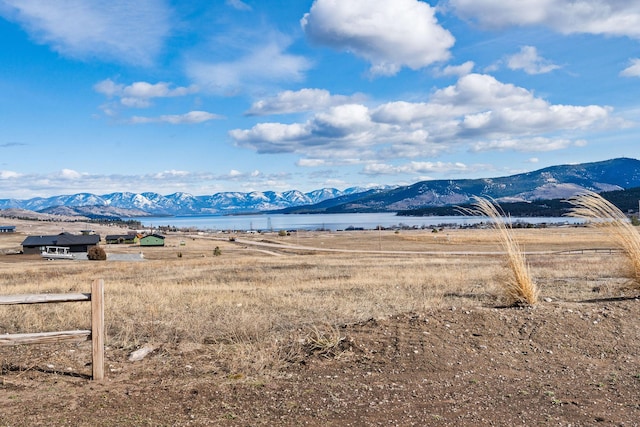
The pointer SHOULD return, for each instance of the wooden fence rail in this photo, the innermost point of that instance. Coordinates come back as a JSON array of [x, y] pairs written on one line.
[[96, 334]]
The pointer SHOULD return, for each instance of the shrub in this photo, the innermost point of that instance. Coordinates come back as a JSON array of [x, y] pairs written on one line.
[[520, 289], [96, 253], [599, 212]]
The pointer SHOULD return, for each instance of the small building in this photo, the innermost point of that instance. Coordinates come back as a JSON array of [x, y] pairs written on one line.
[[75, 243], [121, 239], [152, 240], [7, 228]]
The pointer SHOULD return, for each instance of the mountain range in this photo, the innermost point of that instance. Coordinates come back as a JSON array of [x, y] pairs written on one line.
[[549, 183], [554, 182]]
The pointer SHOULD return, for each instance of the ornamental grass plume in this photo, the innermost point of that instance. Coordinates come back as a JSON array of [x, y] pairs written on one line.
[[519, 289], [599, 212]]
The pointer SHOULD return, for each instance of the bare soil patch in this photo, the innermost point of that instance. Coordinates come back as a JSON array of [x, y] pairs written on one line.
[[555, 364]]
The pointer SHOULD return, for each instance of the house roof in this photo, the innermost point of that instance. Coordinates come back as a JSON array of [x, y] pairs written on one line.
[[62, 239], [119, 236], [157, 236]]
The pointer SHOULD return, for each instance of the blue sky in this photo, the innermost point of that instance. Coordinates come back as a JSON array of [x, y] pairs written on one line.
[[246, 95]]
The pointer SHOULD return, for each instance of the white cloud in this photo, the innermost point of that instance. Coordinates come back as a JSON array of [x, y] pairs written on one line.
[[68, 181], [338, 132], [478, 113], [70, 174], [414, 168], [457, 70], [157, 90], [238, 4], [389, 35], [311, 162], [539, 144], [530, 62], [261, 63], [300, 101], [9, 175], [632, 70], [120, 30], [606, 17], [192, 117], [272, 137], [139, 94], [236, 175], [173, 173], [109, 88]]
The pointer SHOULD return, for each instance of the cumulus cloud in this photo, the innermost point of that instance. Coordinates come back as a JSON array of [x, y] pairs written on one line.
[[530, 62], [633, 70], [70, 174], [478, 113], [140, 94], [614, 18], [261, 63], [192, 117], [299, 101], [342, 131], [457, 70], [120, 30], [389, 35]]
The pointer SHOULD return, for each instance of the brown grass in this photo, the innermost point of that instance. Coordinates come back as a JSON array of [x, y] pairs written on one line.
[[519, 288], [601, 213], [260, 309]]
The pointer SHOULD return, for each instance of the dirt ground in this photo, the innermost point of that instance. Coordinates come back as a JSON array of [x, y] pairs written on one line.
[[556, 364], [560, 363]]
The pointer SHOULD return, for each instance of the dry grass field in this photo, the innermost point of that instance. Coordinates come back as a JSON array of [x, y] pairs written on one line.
[[322, 328]]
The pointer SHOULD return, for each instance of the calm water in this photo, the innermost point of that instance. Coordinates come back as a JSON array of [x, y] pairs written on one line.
[[333, 222]]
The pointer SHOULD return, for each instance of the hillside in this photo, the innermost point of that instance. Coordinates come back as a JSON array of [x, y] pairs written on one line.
[[556, 182], [625, 200]]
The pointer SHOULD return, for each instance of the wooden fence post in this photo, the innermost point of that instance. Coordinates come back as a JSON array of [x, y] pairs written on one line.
[[97, 328], [96, 334]]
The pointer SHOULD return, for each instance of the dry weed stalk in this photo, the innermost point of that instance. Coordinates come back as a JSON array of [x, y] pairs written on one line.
[[520, 289], [599, 212], [324, 343]]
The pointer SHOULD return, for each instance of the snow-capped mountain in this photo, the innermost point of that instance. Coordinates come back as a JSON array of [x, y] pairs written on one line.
[[549, 183], [176, 203]]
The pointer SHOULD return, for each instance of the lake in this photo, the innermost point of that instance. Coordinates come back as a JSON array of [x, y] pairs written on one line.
[[332, 222]]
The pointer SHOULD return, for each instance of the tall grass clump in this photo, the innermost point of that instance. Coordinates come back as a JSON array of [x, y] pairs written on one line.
[[599, 212], [519, 289]]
